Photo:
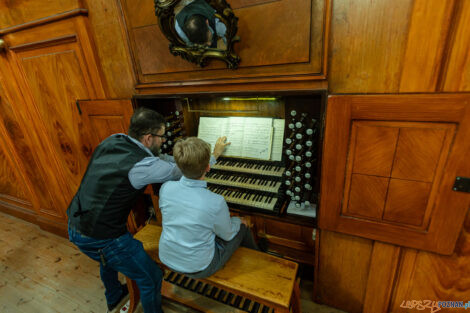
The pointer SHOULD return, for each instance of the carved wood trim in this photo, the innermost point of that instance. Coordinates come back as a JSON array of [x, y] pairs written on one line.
[[45, 43], [45, 20], [259, 85]]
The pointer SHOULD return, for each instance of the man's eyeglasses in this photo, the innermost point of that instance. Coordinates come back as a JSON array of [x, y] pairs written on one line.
[[163, 137]]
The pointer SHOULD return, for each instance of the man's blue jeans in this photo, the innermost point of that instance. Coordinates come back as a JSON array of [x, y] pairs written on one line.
[[126, 255]]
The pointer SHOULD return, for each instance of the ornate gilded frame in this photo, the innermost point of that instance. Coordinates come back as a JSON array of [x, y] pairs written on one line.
[[199, 54]]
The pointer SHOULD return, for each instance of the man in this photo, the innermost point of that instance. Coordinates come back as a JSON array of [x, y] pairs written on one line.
[[197, 24], [198, 235], [119, 170]]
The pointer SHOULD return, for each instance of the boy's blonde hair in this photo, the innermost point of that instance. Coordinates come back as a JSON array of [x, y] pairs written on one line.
[[192, 156]]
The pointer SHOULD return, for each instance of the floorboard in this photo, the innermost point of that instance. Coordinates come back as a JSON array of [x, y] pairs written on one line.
[[44, 273]]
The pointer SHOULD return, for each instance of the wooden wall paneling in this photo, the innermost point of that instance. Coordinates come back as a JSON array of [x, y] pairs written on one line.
[[14, 193], [103, 118], [384, 263], [91, 64], [109, 32], [344, 263], [28, 146], [427, 276], [456, 73], [301, 50], [58, 65], [367, 45], [423, 58], [18, 12]]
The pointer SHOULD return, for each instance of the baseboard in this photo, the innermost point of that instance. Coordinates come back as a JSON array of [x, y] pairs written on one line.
[[17, 211], [52, 226], [58, 228]]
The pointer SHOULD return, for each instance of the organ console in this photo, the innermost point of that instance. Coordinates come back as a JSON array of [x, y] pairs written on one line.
[[264, 189]]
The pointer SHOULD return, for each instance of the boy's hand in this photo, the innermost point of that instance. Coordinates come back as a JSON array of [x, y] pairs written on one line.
[[220, 146], [246, 221]]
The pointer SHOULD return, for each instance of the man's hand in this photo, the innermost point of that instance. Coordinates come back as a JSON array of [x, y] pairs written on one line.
[[220, 146]]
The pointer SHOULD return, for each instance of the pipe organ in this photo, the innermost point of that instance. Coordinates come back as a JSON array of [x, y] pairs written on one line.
[[284, 190]]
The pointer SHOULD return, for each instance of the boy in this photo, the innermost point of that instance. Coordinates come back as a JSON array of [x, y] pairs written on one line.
[[198, 236]]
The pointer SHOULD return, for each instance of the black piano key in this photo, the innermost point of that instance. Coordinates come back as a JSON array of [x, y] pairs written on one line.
[[265, 309], [217, 294], [213, 292], [183, 281], [195, 286], [189, 284], [237, 301], [221, 295], [179, 281], [209, 290], [202, 290], [246, 305], [229, 298], [255, 308]]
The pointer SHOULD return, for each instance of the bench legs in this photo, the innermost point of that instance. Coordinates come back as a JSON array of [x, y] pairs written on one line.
[[296, 298], [134, 294]]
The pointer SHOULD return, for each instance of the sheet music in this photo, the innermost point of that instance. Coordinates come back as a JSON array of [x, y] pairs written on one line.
[[234, 132], [210, 129], [278, 139], [249, 137], [257, 137]]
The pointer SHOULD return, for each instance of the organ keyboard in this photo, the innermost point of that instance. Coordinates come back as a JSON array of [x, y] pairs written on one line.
[[243, 180], [247, 198], [215, 293], [247, 184], [260, 167]]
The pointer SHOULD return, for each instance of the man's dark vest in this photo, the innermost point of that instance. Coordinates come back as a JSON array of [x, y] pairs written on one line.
[[200, 7], [105, 196]]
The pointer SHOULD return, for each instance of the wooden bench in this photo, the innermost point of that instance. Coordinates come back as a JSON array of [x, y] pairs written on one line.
[[257, 276]]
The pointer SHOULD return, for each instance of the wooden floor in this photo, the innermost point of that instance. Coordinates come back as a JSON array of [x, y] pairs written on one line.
[[41, 273]]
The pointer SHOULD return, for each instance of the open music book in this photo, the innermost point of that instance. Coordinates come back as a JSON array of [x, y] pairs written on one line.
[[250, 137]]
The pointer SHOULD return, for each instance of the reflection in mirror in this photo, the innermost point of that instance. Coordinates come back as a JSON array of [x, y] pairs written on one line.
[[199, 30], [195, 23]]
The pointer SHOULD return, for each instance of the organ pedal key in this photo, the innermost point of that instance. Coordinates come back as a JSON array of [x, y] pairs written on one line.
[[218, 294]]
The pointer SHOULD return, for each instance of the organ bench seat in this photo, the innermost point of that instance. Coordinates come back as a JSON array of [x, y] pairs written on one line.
[[259, 277]]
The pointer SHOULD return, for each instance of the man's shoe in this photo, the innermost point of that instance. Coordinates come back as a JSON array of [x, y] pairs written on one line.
[[125, 292], [263, 244]]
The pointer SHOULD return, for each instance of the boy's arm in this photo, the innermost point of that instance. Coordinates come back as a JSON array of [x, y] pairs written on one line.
[[225, 227]]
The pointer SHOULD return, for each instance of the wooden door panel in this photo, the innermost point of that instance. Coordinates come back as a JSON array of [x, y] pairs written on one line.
[[398, 170], [26, 147], [56, 80], [366, 196], [406, 202], [103, 118], [374, 149], [55, 64], [419, 150]]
